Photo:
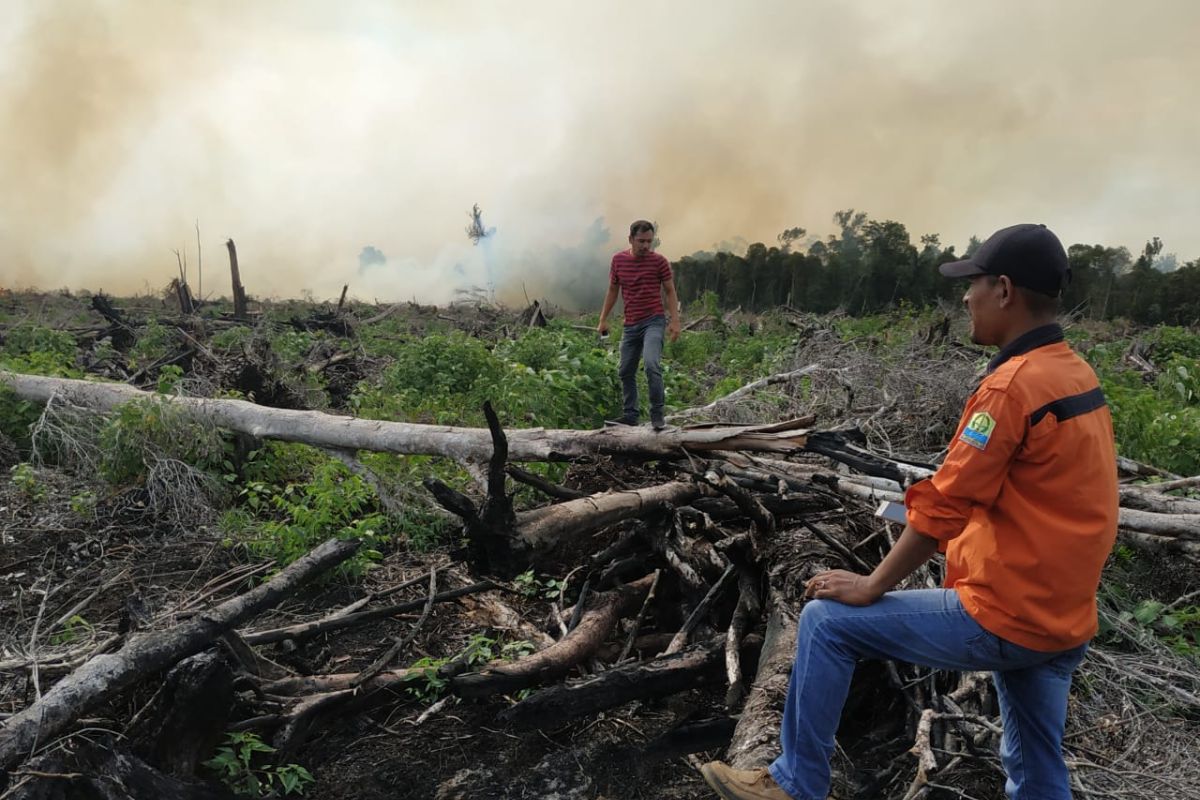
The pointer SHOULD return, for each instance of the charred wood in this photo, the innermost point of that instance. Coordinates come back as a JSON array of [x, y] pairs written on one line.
[[144, 654]]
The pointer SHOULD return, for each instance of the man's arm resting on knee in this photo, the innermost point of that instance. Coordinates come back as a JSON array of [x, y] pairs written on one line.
[[911, 551]]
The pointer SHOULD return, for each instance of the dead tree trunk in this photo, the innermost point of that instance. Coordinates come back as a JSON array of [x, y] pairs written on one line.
[[146, 654], [462, 444], [694, 666], [756, 738], [542, 527], [239, 291]]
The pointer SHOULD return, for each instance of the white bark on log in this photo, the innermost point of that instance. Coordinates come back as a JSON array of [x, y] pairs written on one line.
[[464, 444], [756, 738], [1176, 526], [146, 654], [575, 518]]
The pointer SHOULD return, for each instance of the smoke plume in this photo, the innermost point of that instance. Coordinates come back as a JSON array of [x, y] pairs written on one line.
[[308, 130]]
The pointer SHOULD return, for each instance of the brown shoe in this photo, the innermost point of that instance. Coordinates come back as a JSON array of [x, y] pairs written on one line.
[[742, 784]]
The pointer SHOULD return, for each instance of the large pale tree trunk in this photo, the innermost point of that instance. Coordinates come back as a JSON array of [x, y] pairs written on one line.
[[464, 444]]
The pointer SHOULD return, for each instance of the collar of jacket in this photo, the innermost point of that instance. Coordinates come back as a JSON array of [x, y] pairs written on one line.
[[1030, 340]]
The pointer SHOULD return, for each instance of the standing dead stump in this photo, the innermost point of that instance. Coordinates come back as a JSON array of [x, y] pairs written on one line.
[[493, 544], [196, 713], [239, 291]]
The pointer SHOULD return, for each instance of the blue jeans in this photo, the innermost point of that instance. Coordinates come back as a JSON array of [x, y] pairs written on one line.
[[928, 627], [642, 341]]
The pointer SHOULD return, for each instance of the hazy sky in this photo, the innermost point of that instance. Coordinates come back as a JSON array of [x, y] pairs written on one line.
[[307, 130]]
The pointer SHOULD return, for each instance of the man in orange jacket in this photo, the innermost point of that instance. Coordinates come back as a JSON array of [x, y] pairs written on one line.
[[1025, 509]]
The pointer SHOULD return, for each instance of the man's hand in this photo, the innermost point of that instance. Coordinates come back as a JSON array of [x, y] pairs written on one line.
[[673, 329], [602, 328], [845, 587]]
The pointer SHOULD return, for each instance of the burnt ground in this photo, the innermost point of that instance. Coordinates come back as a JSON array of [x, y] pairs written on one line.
[[119, 569]]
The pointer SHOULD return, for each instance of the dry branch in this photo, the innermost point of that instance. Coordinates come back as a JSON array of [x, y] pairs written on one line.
[[338, 621], [557, 660], [145, 654], [694, 666]]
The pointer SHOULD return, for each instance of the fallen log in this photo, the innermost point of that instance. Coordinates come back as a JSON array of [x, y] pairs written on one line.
[[92, 771], [1185, 527], [464, 444], [148, 653], [583, 517], [557, 660], [694, 666], [756, 737]]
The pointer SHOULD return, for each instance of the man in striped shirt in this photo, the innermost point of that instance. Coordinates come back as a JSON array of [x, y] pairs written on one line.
[[641, 275]]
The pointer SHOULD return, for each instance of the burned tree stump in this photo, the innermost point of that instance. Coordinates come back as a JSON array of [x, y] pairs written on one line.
[[239, 291]]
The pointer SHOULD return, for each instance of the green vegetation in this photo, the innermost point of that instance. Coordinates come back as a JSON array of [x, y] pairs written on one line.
[[479, 650], [235, 766], [869, 266], [27, 483], [332, 502], [39, 351], [1157, 422], [140, 431]]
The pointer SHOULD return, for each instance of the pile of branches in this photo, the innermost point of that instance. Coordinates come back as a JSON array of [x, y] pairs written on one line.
[[689, 576]]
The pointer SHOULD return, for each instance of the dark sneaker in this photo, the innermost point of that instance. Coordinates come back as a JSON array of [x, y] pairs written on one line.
[[742, 784], [657, 422], [630, 421]]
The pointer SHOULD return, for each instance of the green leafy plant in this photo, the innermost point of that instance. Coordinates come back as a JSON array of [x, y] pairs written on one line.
[[151, 346], [83, 504], [531, 585], [168, 378], [235, 764], [36, 350], [71, 630], [333, 503], [141, 428], [27, 482]]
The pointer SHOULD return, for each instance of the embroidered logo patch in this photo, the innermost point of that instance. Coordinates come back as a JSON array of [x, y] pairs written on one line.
[[978, 430]]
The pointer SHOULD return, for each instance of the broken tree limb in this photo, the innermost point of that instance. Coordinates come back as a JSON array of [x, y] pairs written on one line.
[[306, 630], [144, 654], [474, 444], [319, 684], [544, 526], [745, 615], [542, 485], [1167, 486], [697, 665], [401, 642], [559, 658], [737, 394], [679, 641]]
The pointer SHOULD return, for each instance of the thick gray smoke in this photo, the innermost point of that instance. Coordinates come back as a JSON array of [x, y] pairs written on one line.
[[306, 130]]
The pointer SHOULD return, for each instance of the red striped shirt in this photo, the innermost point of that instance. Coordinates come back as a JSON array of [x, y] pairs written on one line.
[[641, 281]]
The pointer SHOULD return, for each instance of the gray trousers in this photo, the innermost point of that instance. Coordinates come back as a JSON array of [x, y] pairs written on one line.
[[643, 341]]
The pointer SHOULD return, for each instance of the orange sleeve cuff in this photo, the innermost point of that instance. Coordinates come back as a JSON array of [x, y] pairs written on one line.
[[933, 514]]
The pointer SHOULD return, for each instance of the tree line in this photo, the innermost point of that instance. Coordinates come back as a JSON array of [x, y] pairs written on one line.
[[869, 266]]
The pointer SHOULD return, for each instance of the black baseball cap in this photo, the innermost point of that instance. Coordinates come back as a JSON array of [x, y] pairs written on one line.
[[1030, 255]]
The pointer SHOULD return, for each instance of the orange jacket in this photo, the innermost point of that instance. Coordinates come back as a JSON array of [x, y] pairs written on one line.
[[1025, 504]]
